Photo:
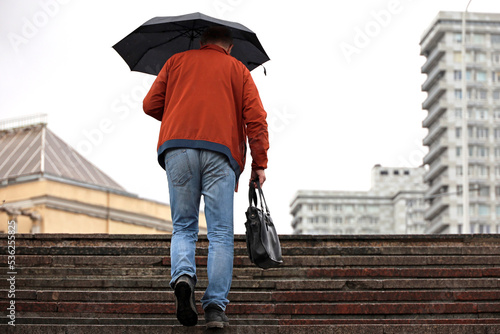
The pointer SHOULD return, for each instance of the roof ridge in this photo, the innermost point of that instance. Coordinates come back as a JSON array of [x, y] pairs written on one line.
[[35, 149]]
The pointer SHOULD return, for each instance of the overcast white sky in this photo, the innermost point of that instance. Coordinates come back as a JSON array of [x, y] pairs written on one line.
[[342, 89]]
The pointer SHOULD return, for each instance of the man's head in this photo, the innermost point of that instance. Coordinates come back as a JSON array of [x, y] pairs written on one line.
[[218, 35]]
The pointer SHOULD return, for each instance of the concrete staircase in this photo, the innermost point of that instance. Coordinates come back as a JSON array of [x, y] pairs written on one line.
[[328, 284]]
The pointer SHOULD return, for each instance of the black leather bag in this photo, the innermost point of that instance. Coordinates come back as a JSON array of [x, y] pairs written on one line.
[[263, 244]]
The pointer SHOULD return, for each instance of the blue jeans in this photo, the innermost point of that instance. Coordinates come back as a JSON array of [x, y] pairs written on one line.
[[192, 173]]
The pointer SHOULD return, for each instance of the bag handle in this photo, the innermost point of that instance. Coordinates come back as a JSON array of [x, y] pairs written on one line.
[[252, 195]]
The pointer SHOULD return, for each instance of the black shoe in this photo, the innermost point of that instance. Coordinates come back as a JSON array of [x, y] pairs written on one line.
[[185, 301], [215, 317]]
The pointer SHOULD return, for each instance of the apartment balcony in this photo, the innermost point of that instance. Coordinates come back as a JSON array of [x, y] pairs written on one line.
[[437, 186], [296, 221], [439, 224], [434, 94], [433, 58], [439, 204], [433, 76], [436, 111], [436, 151], [438, 166], [438, 128]]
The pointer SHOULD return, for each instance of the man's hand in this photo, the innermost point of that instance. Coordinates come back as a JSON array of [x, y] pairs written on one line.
[[258, 173]]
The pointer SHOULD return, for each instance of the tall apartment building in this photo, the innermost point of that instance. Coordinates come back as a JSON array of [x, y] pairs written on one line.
[[393, 205], [441, 44]]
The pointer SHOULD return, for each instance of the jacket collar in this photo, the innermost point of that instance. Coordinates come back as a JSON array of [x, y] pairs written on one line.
[[214, 47]]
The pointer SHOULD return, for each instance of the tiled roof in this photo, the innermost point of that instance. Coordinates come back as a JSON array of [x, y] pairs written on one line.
[[36, 151]]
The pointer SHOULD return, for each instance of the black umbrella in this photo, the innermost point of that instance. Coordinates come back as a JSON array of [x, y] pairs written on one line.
[[148, 47]]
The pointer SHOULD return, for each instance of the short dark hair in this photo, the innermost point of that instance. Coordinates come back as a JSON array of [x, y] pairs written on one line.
[[217, 34]]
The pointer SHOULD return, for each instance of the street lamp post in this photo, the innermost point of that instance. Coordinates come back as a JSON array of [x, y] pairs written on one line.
[[465, 134]]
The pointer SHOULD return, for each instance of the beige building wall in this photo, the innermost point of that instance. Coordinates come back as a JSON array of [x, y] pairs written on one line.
[[70, 208]]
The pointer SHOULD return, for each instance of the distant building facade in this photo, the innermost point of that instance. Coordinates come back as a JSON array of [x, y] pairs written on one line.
[[48, 187], [394, 205], [441, 45]]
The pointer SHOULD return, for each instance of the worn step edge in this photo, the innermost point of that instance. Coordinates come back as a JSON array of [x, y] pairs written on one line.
[[172, 321], [298, 250], [55, 261], [283, 284], [257, 296], [379, 272], [381, 308], [317, 329]]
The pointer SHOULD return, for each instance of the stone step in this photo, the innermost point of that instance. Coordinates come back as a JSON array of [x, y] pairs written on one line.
[[245, 272], [243, 261], [292, 241], [164, 250], [267, 329], [171, 320], [145, 284], [256, 296], [298, 309]]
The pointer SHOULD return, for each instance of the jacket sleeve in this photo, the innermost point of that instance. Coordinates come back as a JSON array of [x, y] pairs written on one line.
[[154, 102], [254, 117]]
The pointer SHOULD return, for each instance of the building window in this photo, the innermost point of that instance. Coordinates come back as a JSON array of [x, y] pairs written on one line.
[[406, 172], [480, 57], [497, 194], [481, 76], [484, 171], [495, 57], [496, 114], [484, 228], [478, 38], [458, 94], [458, 132], [482, 133], [482, 94], [457, 75], [337, 220], [458, 112], [483, 210], [495, 39], [468, 75], [458, 151], [495, 76], [482, 114], [484, 191], [497, 133], [482, 151], [384, 172], [496, 95], [349, 208], [457, 38], [497, 152]]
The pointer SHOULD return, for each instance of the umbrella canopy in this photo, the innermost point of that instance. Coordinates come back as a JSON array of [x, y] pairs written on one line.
[[148, 47]]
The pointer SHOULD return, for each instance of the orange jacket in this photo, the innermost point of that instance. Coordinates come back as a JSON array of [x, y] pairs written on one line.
[[207, 99]]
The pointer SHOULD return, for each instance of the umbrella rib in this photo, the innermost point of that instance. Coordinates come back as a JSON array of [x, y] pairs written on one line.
[[182, 32]]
